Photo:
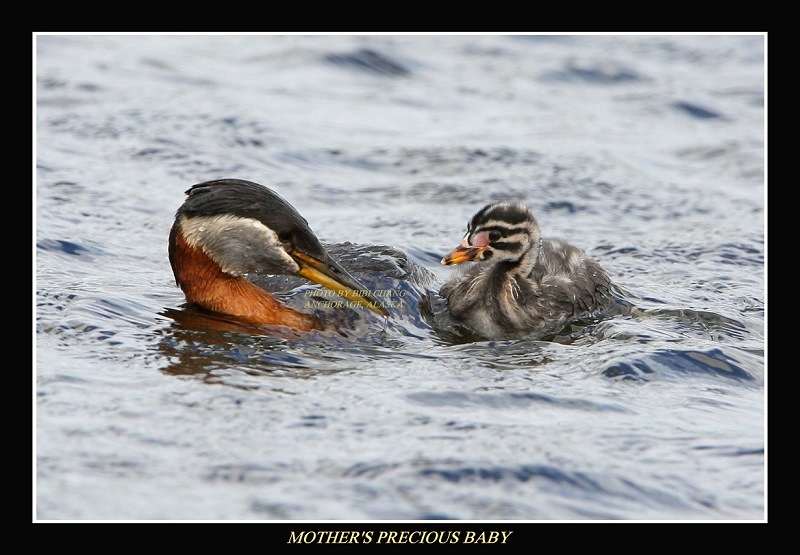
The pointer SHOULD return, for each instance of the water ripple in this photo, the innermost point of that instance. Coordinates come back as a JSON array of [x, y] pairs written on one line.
[[506, 400], [676, 362], [370, 61]]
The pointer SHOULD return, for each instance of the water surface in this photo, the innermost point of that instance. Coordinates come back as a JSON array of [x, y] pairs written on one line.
[[646, 151]]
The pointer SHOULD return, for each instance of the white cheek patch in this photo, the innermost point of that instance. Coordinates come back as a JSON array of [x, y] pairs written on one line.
[[238, 245]]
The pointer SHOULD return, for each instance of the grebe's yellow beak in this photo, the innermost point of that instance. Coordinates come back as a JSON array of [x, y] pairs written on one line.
[[329, 274], [463, 253]]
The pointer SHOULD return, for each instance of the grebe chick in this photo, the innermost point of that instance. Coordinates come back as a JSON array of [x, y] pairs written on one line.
[[522, 285], [229, 228]]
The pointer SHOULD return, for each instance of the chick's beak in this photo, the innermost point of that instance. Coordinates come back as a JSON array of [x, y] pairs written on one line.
[[329, 274], [463, 253]]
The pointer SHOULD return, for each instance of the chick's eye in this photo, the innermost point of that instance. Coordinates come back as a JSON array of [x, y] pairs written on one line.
[[285, 235], [494, 235]]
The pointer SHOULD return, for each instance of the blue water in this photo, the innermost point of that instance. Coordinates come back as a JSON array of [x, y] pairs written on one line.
[[646, 151]]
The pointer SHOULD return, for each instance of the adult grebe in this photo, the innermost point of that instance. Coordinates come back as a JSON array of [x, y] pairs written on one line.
[[229, 228], [523, 285]]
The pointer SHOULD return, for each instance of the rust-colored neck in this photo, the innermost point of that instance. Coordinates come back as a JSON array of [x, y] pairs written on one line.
[[205, 284]]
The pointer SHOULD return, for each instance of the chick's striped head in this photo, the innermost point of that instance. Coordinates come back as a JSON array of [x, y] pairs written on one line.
[[497, 232]]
